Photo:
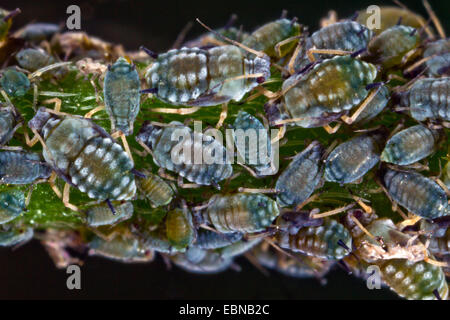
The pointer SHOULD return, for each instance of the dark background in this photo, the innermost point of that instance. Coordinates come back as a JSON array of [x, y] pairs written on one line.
[[29, 273]]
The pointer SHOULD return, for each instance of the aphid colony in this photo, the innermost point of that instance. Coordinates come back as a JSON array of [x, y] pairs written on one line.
[[382, 96]]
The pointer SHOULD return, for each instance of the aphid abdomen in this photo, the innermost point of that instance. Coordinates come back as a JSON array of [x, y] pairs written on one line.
[[375, 106], [179, 228], [241, 212], [15, 236], [102, 170], [428, 99], [18, 167], [418, 194], [352, 159], [328, 90], [189, 159], [8, 120], [121, 248], [212, 262], [439, 54], [414, 280], [122, 97], [100, 215], [321, 242], [410, 145], [238, 248], [33, 59], [14, 83], [207, 239], [12, 204], [299, 180], [155, 189]]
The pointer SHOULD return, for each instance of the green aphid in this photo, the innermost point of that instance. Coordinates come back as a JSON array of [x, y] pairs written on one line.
[[13, 237], [155, 189], [100, 215], [10, 121], [14, 83], [122, 98], [266, 37], [180, 228], [12, 204], [410, 145], [240, 212]]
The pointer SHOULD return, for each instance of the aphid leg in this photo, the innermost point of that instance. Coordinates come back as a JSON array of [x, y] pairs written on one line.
[[251, 190], [180, 111], [28, 198], [250, 257], [409, 222], [330, 19], [51, 182], [358, 223], [94, 111], [146, 149], [44, 145], [309, 200], [66, 198], [28, 141], [268, 94], [183, 185], [122, 136], [223, 115], [362, 106], [279, 135], [312, 51], [408, 55], [5, 96], [435, 19], [182, 35], [35, 96], [360, 202], [417, 64], [111, 207], [284, 42], [331, 130], [40, 71], [162, 173], [291, 64], [57, 103], [331, 212], [252, 172]]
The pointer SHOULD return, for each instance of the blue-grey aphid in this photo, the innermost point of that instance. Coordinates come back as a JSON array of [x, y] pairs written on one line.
[[21, 167], [15, 236], [10, 120], [100, 215], [207, 239], [299, 180], [12, 204], [122, 98], [15, 83]]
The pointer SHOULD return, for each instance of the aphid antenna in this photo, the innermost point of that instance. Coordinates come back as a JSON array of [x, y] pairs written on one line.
[[234, 42], [399, 21], [354, 16], [404, 7], [358, 52], [182, 35], [434, 18], [111, 207], [12, 14], [151, 53], [284, 14], [233, 18], [138, 173]]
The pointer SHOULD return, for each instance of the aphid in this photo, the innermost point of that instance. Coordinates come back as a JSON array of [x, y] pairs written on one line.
[[394, 46], [85, 156], [100, 215], [155, 189], [6, 21], [12, 204], [15, 236], [122, 98], [206, 262], [375, 106], [15, 83], [351, 160], [197, 77], [331, 240], [161, 140], [33, 59], [410, 145], [239, 248], [427, 99], [440, 245], [325, 92], [420, 195], [257, 150], [123, 248], [437, 56], [299, 180], [10, 121], [207, 239], [346, 35], [37, 32], [240, 212], [157, 241], [179, 228], [21, 167], [266, 37]]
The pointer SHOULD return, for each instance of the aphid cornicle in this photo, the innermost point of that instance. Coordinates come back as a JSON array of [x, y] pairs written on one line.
[[257, 150], [352, 159], [100, 215], [10, 120], [240, 212], [345, 35], [207, 239], [155, 189], [123, 248], [266, 37], [12, 204], [179, 228], [122, 98], [323, 93], [15, 83], [299, 180], [427, 99], [15, 236], [197, 77], [392, 46], [33, 59], [410, 145], [420, 195], [162, 140], [21, 167], [85, 156], [331, 240]]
